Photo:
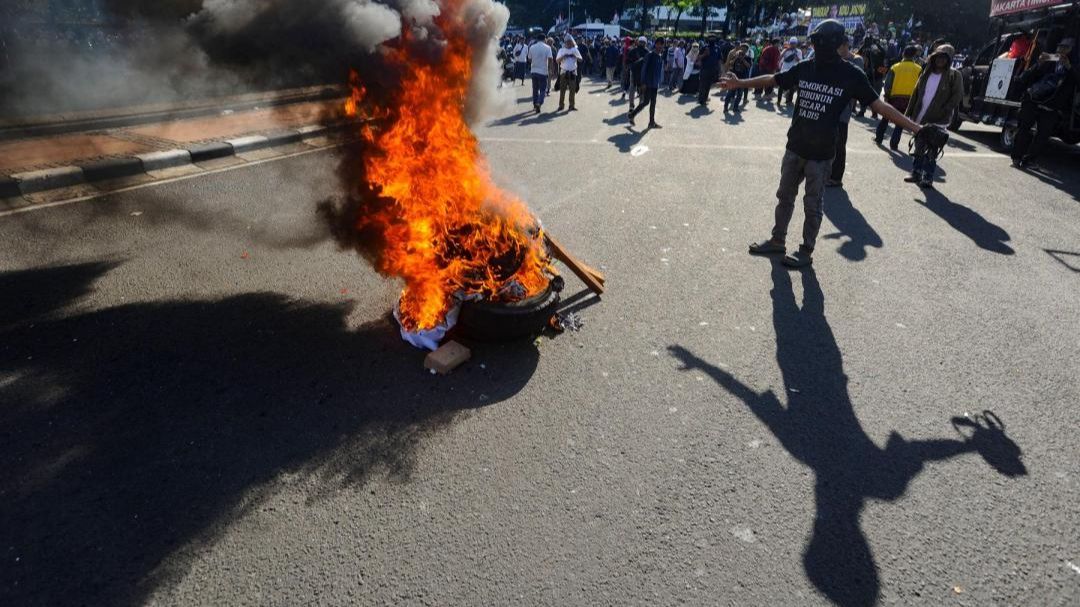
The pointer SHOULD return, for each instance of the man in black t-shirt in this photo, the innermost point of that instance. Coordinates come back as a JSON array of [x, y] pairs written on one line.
[[826, 85]]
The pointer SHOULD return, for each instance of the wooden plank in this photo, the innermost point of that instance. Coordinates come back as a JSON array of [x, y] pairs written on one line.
[[592, 278]]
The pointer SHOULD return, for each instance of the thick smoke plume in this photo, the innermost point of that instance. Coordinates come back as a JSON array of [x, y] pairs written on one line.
[[177, 49]]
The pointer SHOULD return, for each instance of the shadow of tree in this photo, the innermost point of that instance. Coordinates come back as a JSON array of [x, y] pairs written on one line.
[[819, 428], [968, 222], [130, 432], [851, 223]]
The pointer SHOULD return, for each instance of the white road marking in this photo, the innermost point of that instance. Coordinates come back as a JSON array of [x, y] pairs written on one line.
[[60, 203], [710, 146]]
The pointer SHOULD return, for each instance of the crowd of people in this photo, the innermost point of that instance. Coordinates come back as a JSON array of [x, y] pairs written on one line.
[[824, 79]]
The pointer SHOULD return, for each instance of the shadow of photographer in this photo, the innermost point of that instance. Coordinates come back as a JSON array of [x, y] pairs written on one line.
[[819, 428]]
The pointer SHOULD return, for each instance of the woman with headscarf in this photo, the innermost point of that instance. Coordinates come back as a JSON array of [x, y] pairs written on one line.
[[690, 72]]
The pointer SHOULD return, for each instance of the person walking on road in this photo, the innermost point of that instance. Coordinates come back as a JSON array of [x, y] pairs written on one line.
[[936, 97], [900, 84], [568, 59], [791, 57], [769, 63], [541, 59], [652, 75], [678, 67], [827, 84], [521, 59], [839, 165], [710, 69], [611, 56], [1047, 101], [635, 57], [874, 61], [739, 64], [552, 68]]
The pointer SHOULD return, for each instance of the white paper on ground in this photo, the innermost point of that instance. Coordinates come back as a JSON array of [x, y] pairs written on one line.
[[428, 338]]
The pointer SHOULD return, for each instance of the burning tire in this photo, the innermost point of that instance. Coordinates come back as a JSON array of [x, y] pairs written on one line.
[[486, 321]]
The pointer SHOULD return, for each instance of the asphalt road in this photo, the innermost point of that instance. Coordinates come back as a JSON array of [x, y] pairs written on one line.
[[203, 402]]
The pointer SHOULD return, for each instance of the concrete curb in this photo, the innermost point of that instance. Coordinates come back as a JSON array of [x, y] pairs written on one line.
[[210, 151], [32, 182], [112, 169], [9, 187], [158, 161], [106, 119]]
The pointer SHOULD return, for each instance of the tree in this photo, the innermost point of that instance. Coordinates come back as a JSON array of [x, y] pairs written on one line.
[[681, 6]]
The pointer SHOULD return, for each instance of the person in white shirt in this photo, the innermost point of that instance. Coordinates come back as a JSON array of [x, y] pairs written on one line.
[[791, 57], [568, 60], [520, 54], [541, 59], [679, 67]]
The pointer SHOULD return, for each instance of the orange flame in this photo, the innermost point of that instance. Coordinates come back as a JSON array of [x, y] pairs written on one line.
[[448, 228]]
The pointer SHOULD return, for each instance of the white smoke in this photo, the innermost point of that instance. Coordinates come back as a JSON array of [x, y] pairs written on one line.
[[229, 46]]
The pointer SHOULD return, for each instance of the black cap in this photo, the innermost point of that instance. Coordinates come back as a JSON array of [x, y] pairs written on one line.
[[830, 34]]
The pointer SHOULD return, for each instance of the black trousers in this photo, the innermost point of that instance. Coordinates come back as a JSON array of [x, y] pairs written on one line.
[[648, 96], [1028, 145], [705, 83], [839, 164]]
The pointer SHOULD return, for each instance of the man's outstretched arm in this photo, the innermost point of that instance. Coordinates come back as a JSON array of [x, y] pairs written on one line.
[[895, 116], [730, 81]]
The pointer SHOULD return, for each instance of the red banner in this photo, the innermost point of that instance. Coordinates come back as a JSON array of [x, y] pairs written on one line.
[[1008, 7]]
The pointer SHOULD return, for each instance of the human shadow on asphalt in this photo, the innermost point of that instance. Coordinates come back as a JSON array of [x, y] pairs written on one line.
[[513, 119], [819, 428], [699, 111], [906, 163], [131, 436], [543, 117], [1057, 172], [967, 221], [626, 141], [734, 118], [851, 223]]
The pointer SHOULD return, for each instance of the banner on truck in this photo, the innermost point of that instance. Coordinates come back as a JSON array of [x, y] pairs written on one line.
[[1009, 7], [850, 14]]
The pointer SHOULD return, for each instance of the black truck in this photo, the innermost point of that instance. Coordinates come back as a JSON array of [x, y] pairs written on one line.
[[992, 91]]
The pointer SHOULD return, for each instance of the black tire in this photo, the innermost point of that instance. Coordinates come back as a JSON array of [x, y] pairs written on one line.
[[483, 321], [1008, 138]]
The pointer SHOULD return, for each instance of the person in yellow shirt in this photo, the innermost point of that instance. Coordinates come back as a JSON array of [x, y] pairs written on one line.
[[900, 84]]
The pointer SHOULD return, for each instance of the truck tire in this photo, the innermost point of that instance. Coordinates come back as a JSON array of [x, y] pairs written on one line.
[[1008, 138], [1071, 138]]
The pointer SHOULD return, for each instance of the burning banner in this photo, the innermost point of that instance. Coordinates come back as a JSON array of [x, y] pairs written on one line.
[[422, 204]]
